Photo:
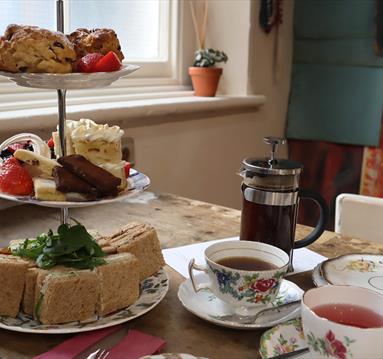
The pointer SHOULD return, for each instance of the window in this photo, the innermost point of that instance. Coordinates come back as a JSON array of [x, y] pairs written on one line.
[[147, 30]]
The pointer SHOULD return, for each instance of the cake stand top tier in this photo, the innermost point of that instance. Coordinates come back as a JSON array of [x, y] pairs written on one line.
[[70, 81]]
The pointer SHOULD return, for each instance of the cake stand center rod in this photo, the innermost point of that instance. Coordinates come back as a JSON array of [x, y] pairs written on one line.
[[62, 121], [62, 101]]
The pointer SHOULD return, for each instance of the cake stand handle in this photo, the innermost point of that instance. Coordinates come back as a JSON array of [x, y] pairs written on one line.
[[62, 122]]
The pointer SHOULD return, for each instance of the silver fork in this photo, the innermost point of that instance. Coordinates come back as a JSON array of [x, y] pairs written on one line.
[[99, 354]]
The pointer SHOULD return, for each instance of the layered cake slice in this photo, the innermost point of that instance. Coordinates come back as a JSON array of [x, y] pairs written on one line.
[[99, 144]]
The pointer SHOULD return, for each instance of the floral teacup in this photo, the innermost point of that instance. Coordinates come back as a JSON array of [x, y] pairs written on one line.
[[243, 289], [327, 339]]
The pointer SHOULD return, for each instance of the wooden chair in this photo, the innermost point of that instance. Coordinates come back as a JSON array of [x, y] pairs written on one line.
[[359, 216]]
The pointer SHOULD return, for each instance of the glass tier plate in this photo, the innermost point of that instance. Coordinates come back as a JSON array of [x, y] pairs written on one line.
[[137, 182], [70, 81], [152, 290]]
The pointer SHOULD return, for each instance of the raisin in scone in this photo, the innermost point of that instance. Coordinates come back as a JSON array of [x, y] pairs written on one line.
[[33, 49], [97, 40]]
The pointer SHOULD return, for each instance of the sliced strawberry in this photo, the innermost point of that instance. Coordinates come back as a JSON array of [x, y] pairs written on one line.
[[14, 179], [127, 168], [109, 62], [50, 143], [86, 63]]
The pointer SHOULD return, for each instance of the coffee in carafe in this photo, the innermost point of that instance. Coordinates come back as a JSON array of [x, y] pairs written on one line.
[[271, 194]]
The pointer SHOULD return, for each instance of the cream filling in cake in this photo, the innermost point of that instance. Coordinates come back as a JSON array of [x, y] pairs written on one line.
[[99, 144]]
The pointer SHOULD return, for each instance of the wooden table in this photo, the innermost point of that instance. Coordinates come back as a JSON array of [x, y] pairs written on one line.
[[178, 221]]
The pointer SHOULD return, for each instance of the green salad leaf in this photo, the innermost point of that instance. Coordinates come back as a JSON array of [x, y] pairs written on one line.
[[72, 246]]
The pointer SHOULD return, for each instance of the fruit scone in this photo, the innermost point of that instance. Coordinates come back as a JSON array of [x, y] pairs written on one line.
[[32, 49], [99, 144]]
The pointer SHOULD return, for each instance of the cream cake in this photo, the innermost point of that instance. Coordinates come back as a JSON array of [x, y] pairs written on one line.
[[99, 144]]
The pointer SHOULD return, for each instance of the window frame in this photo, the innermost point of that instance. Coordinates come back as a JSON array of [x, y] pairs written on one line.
[[152, 76]]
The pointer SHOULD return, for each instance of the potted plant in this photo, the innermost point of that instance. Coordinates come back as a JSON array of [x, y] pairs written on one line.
[[205, 76]]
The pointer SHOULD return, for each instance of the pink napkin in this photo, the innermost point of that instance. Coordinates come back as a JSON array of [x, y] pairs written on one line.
[[135, 345], [74, 346]]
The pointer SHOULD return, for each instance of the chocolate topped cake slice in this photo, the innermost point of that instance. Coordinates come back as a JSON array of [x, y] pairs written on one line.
[[102, 180], [67, 182]]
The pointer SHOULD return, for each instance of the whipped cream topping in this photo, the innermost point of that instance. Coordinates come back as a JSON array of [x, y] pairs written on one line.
[[88, 130]]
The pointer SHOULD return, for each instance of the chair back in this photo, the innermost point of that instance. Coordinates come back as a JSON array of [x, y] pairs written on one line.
[[359, 216]]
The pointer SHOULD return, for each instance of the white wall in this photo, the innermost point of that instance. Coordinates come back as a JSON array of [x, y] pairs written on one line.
[[200, 158]]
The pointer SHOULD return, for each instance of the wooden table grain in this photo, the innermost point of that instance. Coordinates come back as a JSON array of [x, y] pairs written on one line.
[[179, 221]]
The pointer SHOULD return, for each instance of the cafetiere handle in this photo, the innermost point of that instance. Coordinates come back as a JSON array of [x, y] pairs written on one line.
[[323, 218]]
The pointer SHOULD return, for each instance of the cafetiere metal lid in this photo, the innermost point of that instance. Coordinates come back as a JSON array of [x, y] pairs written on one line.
[[272, 165]]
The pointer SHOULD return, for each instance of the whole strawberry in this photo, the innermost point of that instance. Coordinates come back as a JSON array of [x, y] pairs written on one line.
[[14, 179]]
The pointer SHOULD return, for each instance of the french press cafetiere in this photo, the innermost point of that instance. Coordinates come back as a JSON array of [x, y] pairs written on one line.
[[271, 195]]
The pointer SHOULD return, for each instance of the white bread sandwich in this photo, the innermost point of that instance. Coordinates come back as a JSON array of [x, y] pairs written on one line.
[[119, 282], [12, 279], [139, 239], [62, 297]]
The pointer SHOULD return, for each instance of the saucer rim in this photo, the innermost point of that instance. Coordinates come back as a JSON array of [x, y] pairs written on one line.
[[234, 325]]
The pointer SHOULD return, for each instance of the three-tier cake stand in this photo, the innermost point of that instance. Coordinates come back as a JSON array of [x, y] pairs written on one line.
[[137, 181], [154, 288]]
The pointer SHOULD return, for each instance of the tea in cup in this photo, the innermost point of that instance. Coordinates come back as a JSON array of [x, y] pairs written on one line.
[[343, 322], [243, 274]]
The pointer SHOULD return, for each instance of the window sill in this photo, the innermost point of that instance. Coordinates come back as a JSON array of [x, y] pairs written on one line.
[[133, 111]]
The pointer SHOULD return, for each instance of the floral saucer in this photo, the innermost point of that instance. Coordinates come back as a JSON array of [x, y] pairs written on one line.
[[207, 306], [361, 270], [284, 338]]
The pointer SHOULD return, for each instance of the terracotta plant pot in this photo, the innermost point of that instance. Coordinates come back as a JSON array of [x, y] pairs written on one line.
[[205, 80]]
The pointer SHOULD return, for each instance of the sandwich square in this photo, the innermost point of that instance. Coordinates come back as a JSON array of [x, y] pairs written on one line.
[[62, 297], [119, 282], [12, 279], [141, 240]]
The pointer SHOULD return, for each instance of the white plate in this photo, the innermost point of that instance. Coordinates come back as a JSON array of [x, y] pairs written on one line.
[[284, 338], [317, 277], [361, 270], [137, 182], [152, 291], [207, 306], [70, 81]]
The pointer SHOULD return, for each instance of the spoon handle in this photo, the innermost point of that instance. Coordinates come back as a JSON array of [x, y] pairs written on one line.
[[291, 354], [277, 308]]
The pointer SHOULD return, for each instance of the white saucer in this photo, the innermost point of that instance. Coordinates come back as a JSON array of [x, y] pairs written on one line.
[[284, 338], [317, 277], [360, 270], [207, 306]]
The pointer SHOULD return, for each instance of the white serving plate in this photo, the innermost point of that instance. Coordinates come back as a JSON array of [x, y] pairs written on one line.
[[70, 81], [137, 182], [152, 291], [207, 306]]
